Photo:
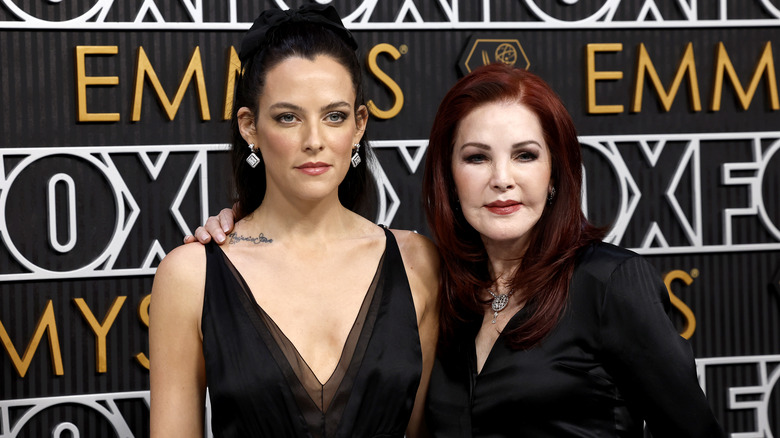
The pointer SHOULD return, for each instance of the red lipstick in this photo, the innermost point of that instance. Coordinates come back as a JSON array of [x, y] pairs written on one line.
[[503, 207]]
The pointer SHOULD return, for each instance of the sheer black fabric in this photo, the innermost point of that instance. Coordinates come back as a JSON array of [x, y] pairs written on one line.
[[260, 386], [613, 361]]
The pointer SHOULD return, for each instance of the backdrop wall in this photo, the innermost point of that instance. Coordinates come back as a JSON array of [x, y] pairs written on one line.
[[113, 147]]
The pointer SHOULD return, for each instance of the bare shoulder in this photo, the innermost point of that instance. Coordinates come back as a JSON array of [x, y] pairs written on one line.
[[418, 251], [421, 262], [181, 275], [183, 260], [177, 370]]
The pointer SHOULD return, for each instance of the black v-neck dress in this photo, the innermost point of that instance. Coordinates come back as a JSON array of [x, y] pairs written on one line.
[[260, 386]]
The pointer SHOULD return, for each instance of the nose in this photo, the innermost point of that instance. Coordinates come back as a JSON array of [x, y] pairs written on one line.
[[502, 179], [313, 141]]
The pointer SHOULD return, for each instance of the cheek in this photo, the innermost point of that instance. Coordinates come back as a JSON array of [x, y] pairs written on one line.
[[339, 142], [470, 183], [277, 143], [541, 185], [460, 178], [343, 139]]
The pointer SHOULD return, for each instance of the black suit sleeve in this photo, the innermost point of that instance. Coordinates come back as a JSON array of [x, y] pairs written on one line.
[[652, 365]]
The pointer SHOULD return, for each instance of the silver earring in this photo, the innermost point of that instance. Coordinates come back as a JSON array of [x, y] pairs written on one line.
[[355, 157], [252, 159], [551, 195]]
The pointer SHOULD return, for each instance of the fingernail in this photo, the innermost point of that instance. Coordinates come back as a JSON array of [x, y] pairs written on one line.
[[203, 236], [185, 238], [220, 239], [225, 228]]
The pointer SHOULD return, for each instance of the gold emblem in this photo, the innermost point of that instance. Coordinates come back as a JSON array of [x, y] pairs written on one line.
[[484, 51], [506, 53]]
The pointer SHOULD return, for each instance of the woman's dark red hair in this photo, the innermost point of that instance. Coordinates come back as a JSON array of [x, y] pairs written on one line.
[[547, 265]]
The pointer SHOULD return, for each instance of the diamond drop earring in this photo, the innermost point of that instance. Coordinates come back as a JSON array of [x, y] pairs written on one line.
[[252, 159], [355, 157]]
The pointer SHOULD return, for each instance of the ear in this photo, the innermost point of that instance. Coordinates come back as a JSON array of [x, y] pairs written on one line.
[[361, 120], [246, 124]]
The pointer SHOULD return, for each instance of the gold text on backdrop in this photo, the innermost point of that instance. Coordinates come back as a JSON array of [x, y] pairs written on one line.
[[47, 324], [764, 68], [194, 71]]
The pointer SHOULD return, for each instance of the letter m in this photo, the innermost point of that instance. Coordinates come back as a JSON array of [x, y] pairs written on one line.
[[687, 66], [144, 69], [765, 65], [47, 324]]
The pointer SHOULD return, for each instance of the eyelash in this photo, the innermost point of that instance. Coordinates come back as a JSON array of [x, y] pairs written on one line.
[[340, 114], [476, 158], [280, 118], [527, 156], [341, 117], [521, 156]]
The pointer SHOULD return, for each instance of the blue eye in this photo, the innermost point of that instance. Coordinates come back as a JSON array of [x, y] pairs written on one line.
[[286, 118], [336, 117]]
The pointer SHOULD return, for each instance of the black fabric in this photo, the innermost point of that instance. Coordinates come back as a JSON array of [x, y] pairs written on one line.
[[613, 361], [259, 386], [270, 19]]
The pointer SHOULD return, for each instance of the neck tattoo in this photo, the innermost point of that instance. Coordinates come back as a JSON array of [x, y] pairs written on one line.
[[236, 238], [499, 302]]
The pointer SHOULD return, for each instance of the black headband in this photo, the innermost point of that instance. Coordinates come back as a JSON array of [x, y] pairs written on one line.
[[270, 19]]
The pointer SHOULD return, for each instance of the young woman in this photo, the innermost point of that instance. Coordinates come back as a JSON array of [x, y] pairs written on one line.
[[545, 330], [310, 320]]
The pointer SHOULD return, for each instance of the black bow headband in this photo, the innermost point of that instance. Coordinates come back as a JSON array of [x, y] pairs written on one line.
[[264, 25]]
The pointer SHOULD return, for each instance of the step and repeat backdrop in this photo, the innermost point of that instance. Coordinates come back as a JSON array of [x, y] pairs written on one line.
[[113, 146]]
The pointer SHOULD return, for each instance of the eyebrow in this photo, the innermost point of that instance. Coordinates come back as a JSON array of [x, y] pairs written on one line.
[[291, 106], [487, 147]]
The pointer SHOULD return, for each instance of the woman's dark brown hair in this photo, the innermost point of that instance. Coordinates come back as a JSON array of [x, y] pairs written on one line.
[[547, 265]]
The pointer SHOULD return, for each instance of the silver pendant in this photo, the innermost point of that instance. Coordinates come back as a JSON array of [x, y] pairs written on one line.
[[499, 303]]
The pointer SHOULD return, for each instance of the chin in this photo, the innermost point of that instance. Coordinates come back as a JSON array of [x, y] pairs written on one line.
[[505, 235]]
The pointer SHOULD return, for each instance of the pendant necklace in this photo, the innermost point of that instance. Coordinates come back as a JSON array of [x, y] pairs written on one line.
[[499, 302]]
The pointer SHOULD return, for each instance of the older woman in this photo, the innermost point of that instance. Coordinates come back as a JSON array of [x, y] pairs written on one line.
[[343, 350], [545, 330]]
